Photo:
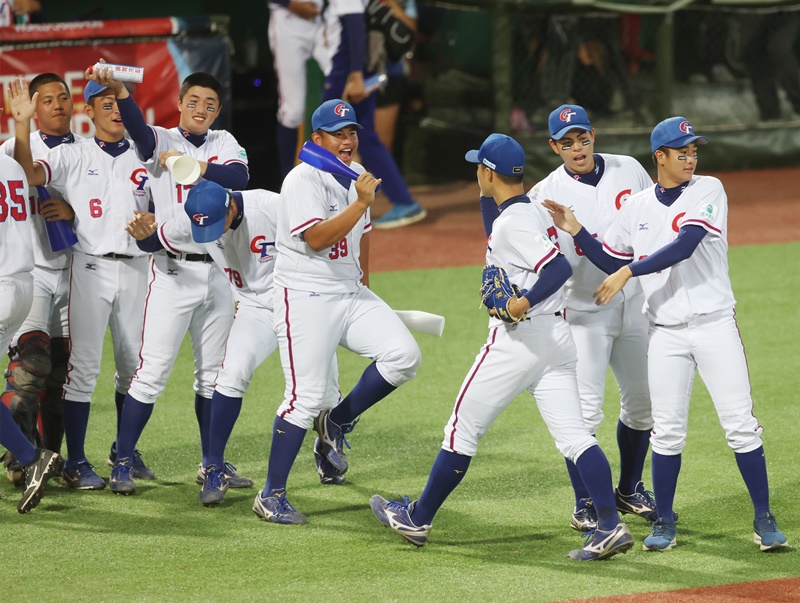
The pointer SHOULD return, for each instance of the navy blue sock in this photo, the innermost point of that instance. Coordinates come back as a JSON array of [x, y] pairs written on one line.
[[286, 442], [370, 389], [135, 415], [202, 410], [287, 148], [596, 474], [224, 412], [578, 487], [76, 420], [753, 467], [665, 481], [447, 472], [119, 402], [13, 439], [633, 445]]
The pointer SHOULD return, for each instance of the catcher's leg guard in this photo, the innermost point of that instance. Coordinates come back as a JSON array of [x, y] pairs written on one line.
[[25, 379], [52, 421]]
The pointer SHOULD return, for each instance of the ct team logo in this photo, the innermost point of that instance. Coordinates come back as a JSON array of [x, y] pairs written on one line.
[[676, 226], [341, 110], [139, 177], [685, 127], [622, 197], [566, 115], [200, 219], [259, 246]]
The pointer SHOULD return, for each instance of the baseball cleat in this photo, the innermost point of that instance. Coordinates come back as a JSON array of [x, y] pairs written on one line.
[[331, 437], [584, 517], [79, 474], [640, 503], [234, 480], [602, 544], [276, 508], [662, 536], [400, 215], [121, 480], [214, 486], [328, 474], [767, 535], [13, 469], [45, 464], [139, 471], [396, 514]]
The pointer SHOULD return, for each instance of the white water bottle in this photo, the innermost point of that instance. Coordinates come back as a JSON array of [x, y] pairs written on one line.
[[123, 73]]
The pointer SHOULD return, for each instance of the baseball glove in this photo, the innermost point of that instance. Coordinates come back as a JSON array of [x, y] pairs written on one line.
[[497, 291]]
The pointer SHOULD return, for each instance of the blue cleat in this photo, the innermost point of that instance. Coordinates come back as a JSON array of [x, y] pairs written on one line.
[[602, 544], [584, 517], [662, 536], [396, 514], [276, 508], [767, 535], [139, 471], [331, 436], [328, 474], [214, 486], [640, 503], [400, 215], [234, 479], [79, 474], [121, 480]]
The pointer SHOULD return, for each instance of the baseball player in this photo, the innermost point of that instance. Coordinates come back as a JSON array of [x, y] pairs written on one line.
[[595, 186], [673, 236], [322, 301], [16, 296], [40, 349], [346, 80], [529, 347], [103, 182], [297, 32], [186, 291]]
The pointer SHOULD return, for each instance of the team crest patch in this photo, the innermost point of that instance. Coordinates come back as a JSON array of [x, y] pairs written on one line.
[[709, 212], [544, 241], [200, 219]]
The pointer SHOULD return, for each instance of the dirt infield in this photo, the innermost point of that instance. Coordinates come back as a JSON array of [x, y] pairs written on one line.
[[764, 207]]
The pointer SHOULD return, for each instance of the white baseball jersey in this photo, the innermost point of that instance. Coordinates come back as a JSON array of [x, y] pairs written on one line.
[[16, 246], [103, 190], [520, 244], [219, 147], [313, 196], [595, 207], [246, 253], [44, 257], [698, 285]]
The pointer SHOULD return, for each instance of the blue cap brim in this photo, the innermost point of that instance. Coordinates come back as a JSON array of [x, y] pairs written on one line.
[[563, 131], [472, 156], [682, 142], [208, 233], [339, 125]]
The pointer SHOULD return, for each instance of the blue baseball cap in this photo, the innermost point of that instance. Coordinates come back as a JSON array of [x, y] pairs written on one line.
[[501, 154], [566, 118], [333, 115], [93, 89], [207, 205], [675, 132]]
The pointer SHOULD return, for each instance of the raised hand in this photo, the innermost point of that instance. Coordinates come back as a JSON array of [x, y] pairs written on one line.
[[563, 217], [23, 107]]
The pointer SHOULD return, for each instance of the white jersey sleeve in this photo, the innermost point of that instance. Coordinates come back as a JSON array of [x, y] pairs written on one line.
[[347, 7], [709, 207], [16, 245]]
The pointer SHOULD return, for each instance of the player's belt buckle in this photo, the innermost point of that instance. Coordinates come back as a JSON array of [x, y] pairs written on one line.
[[191, 257]]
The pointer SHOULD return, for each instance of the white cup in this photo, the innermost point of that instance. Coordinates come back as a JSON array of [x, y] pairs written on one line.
[[184, 169]]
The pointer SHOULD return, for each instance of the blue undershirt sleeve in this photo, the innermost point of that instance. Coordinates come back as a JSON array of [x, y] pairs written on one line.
[[355, 30], [233, 176], [134, 122], [593, 249], [680, 249], [151, 244], [552, 276], [489, 213]]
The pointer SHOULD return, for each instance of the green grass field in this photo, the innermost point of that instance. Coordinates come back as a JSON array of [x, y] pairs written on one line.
[[502, 536]]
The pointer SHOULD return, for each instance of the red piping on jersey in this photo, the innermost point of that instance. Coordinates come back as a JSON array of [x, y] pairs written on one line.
[[307, 224], [702, 223], [47, 169], [466, 387], [163, 237], [69, 301], [620, 254], [550, 255], [235, 161], [144, 321], [293, 397]]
